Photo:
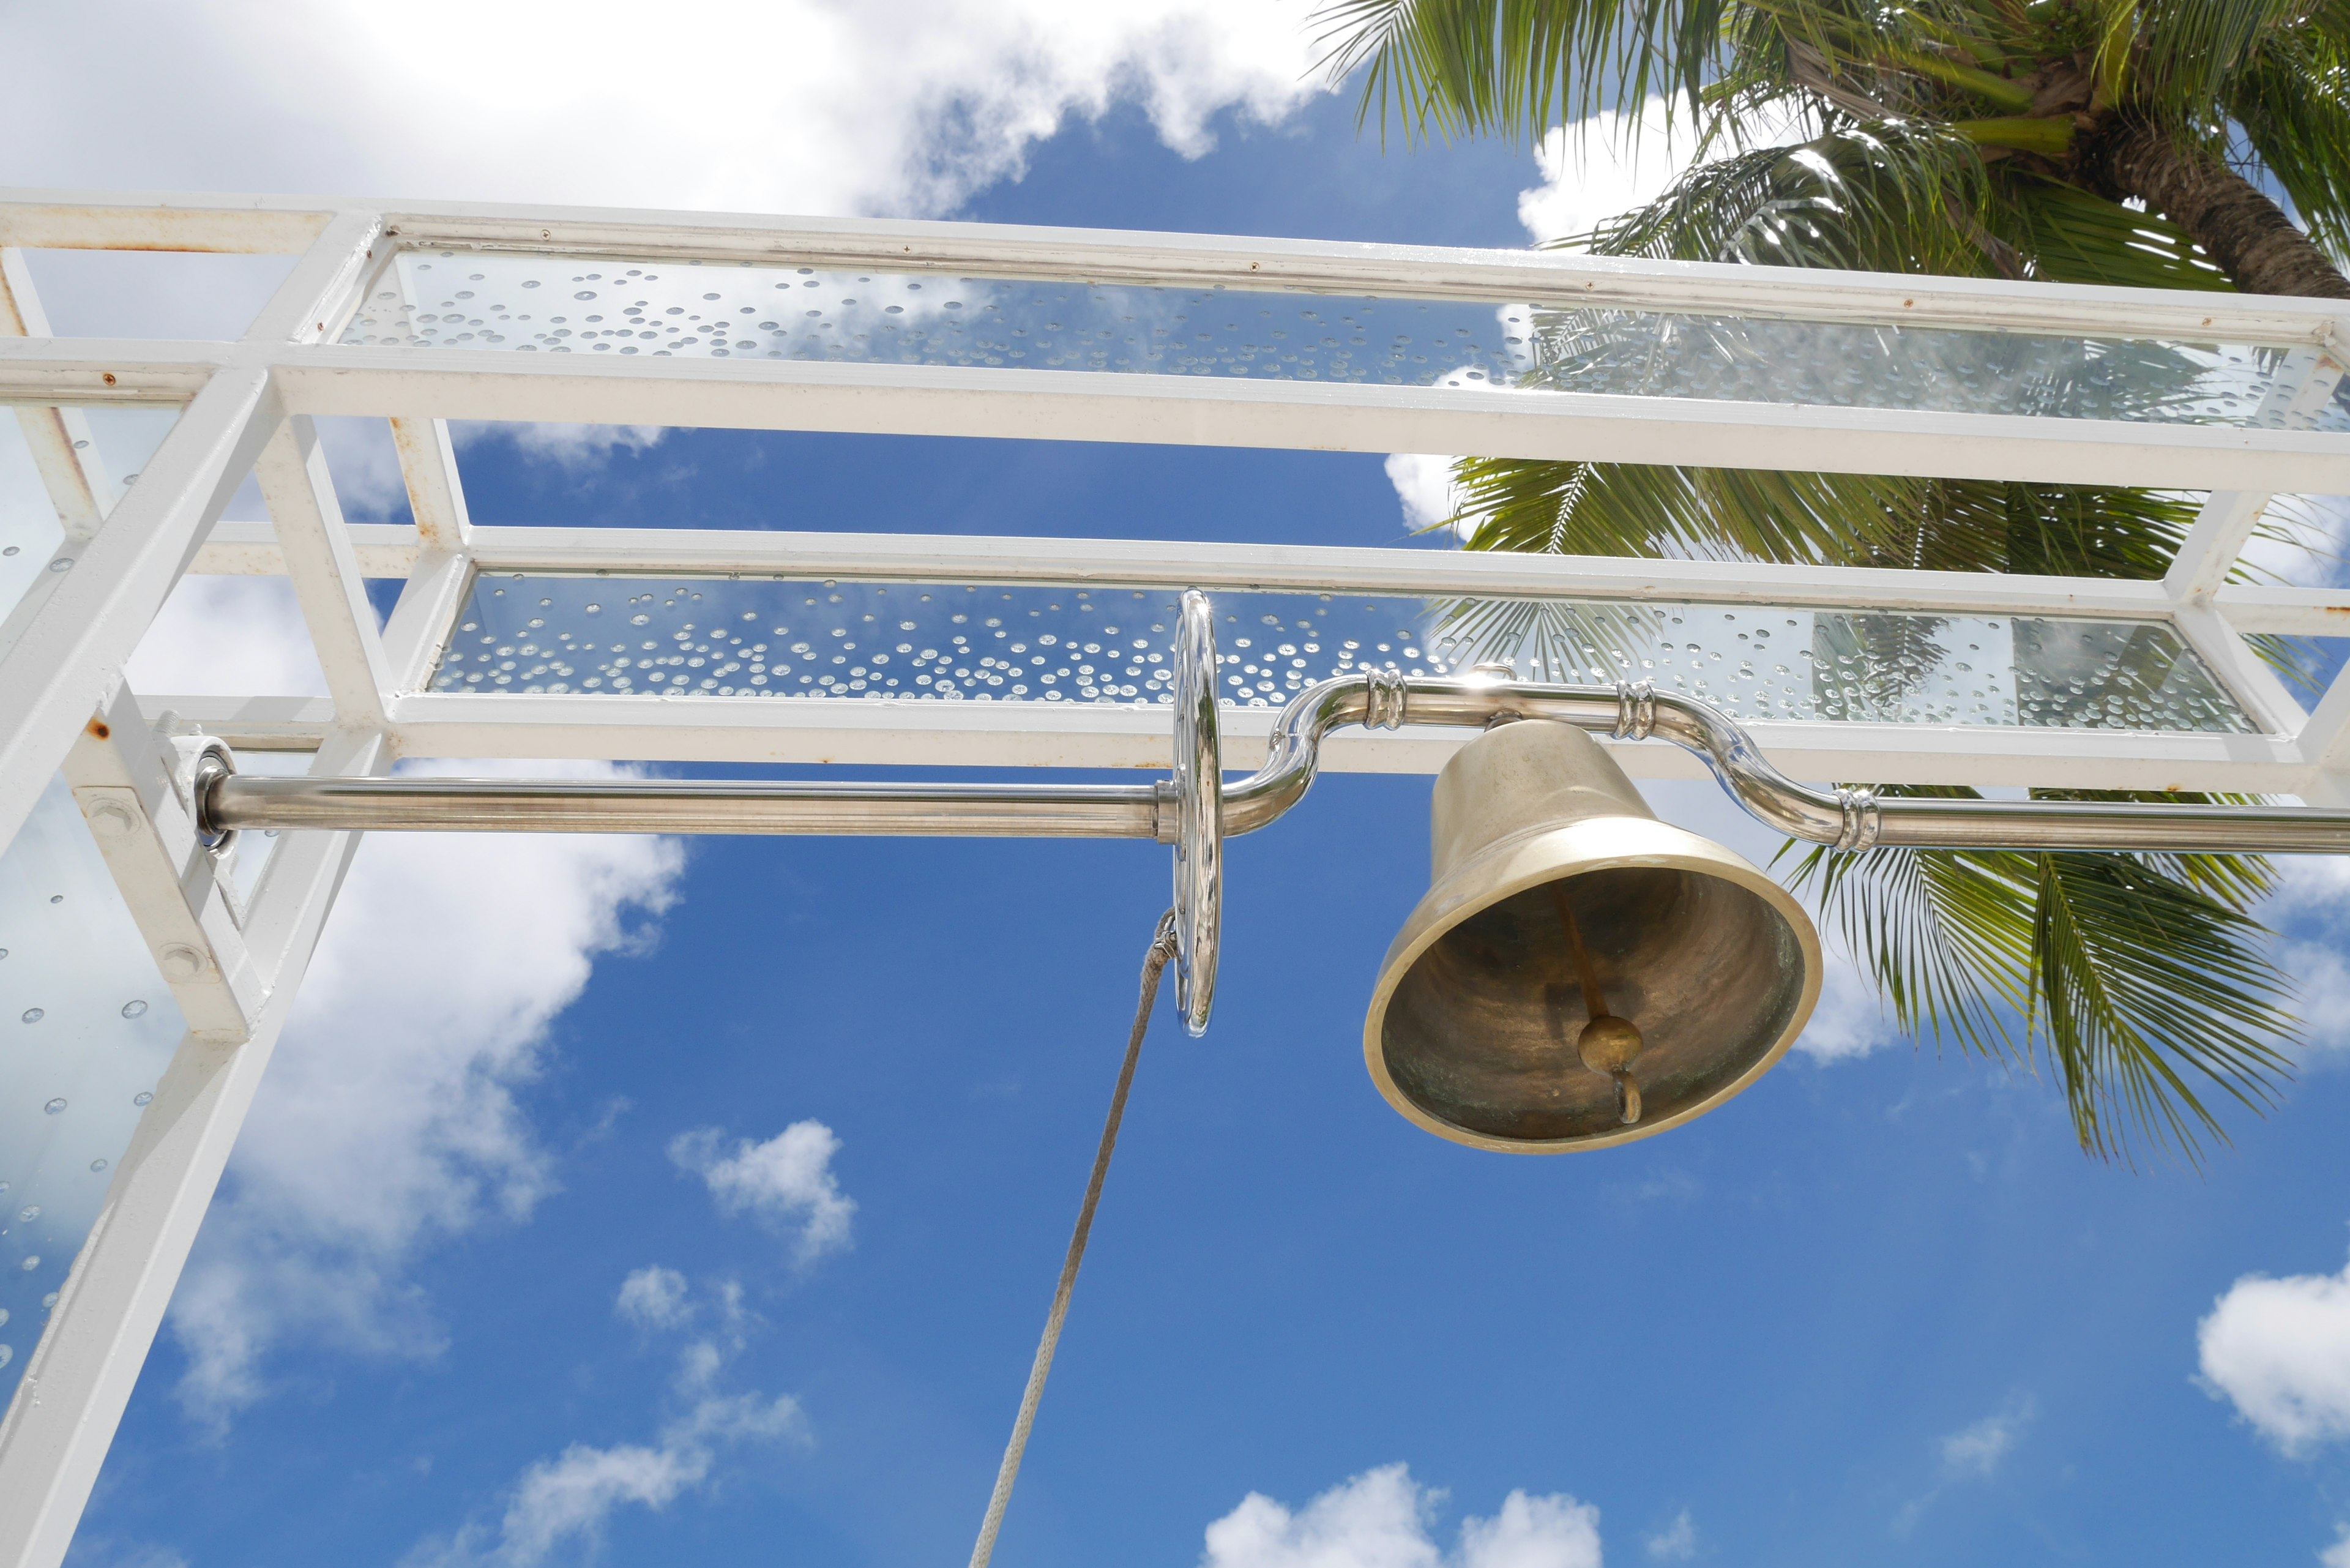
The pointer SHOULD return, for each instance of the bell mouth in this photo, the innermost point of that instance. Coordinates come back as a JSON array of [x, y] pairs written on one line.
[[1474, 1032]]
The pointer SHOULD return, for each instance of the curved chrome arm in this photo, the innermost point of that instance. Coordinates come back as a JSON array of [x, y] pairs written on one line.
[[1843, 819]]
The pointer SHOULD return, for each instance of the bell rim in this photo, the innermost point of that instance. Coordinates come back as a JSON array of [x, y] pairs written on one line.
[[1671, 847]]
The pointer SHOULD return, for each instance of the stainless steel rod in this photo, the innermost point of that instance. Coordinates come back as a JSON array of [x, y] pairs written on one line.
[[1844, 818], [683, 806]]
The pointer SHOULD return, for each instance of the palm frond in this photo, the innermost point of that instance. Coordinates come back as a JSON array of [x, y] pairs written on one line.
[[2145, 988], [1515, 67], [2137, 979], [2184, 53], [2073, 236]]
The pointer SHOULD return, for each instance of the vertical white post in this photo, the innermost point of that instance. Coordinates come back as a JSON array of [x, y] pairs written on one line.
[[79, 1380]]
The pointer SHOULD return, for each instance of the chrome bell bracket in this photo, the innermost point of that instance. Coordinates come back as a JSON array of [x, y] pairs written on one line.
[[1199, 801]]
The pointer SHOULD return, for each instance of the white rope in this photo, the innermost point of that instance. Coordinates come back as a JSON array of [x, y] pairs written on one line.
[[1154, 964]]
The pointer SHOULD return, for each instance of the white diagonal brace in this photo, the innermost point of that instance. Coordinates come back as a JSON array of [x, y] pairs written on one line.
[[2303, 384], [325, 569], [436, 496], [58, 1428], [64, 652]]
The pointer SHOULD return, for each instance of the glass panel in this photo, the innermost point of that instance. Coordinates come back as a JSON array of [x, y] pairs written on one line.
[[113, 444], [89, 1027], [966, 642], [566, 304]]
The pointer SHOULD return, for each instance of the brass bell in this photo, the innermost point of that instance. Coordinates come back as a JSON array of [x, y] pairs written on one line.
[[1580, 974]]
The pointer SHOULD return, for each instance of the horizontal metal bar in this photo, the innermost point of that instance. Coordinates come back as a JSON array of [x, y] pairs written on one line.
[[388, 550], [2285, 612], [240, 225], [691, 806], [1205, 410], [1848, 819], [1186, 260]]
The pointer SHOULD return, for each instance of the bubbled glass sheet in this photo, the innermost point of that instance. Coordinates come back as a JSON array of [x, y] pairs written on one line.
[[86, 1027], [111, 444], [568, 305], [933, 643]]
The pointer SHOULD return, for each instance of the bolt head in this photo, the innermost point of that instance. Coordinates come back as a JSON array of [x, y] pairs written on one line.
[[110, 819], [180, 963]]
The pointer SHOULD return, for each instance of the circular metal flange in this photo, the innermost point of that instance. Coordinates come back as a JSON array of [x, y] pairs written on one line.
[[1200, 813], [198, 761]]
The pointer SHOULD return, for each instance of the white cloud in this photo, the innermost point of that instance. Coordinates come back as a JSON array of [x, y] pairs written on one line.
[[1675, 1542], [1850, 1020], [569, 1498], [2338, 1554], [1978, 1450], [1380, 1519], [787, 1181], [571, 446], [653, 1297], [1423, 483], [227, 637], [1598, 168], [388, 1117], [2279, 1350], [808, 106]]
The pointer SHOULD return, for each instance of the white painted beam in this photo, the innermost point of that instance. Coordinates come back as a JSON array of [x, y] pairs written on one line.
[[329, 581]]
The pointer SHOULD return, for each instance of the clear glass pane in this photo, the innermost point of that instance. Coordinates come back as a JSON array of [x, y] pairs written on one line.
[[916, 642], [566, 305], [111, 445], [89, 1027]]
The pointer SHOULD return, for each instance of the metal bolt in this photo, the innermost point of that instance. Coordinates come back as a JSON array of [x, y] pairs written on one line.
[[110, 819], [181, 962]]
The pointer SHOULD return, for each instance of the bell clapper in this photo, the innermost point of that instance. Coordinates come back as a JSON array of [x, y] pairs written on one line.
[[1607, 1044]]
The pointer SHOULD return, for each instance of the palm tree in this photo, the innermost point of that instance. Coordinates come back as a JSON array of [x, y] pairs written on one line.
[[2108, 141]]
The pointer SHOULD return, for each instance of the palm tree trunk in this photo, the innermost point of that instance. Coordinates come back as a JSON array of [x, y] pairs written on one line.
[[2242, 231]]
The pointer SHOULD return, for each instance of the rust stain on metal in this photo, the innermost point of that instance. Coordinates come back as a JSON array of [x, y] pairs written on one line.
[[98, 728], [107, 377]]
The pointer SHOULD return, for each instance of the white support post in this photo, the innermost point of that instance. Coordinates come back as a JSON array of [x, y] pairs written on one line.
[[325, 570], [79, 1378]]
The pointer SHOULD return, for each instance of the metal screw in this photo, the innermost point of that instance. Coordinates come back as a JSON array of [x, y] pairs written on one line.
[[181, 962]]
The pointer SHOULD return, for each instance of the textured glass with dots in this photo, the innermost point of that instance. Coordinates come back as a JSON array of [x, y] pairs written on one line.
[[110, 444], [843, 640], [619, 306], [86, 1027]]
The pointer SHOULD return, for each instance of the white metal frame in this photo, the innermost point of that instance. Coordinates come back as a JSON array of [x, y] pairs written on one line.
[[248, 406]]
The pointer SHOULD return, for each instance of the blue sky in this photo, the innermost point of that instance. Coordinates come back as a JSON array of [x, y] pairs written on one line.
[[703, 1201]]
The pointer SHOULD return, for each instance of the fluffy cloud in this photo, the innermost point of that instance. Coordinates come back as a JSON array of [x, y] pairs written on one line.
[[1978, 1450], [1599, 167], [812, 106], [1423, 483], [2279, 1350], [1676, 1542], [787, 1181], [388, 1118], [1380, 1519], [652, 1297], [569, 1498]]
